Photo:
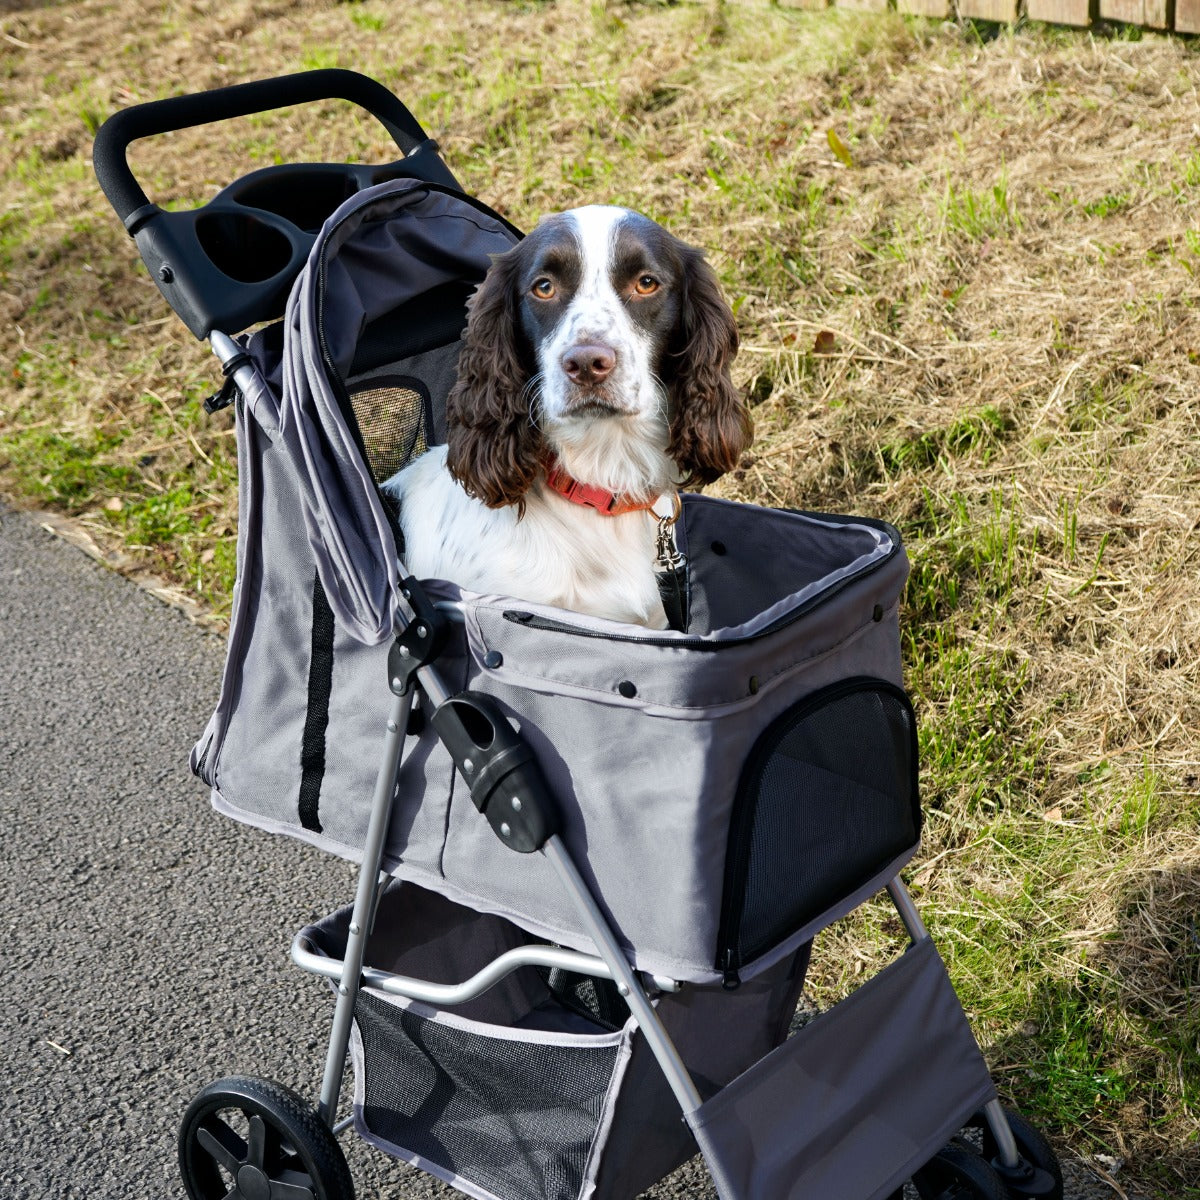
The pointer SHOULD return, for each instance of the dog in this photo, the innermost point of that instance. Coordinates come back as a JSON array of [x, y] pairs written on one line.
[[593, 383]]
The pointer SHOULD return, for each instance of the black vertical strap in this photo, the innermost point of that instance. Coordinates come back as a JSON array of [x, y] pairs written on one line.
[[320, 685]]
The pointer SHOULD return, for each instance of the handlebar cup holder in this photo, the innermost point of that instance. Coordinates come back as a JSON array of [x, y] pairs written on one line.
[[242, 245]]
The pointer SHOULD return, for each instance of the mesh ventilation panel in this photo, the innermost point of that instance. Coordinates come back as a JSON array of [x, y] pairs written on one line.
[[827, 800], [515, 1117], [392, 420]]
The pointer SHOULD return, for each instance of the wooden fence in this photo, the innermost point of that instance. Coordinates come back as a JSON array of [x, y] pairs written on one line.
[[1182, 16]]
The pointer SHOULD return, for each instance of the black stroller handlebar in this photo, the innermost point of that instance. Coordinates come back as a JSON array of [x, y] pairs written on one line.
[[230, 263], [156, 117]]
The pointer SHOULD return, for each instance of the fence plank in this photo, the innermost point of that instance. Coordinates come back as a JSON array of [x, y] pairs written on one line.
[[1187, 16], [924, 8], [867, 5], [989, 10], [1062, 12], [1152, 13]]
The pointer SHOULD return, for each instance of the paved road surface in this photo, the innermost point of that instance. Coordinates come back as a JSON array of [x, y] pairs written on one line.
[[144, 940]]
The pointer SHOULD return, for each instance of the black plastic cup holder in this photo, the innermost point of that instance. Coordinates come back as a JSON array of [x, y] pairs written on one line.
[[243, 246], [302, 195]]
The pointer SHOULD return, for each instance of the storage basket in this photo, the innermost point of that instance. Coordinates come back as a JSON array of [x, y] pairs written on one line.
[[522, 1092]]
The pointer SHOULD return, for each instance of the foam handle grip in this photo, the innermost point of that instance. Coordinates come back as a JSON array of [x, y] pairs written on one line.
[[156, 117]]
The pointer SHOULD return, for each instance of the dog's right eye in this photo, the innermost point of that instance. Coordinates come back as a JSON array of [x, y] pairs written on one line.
[[543, 288]]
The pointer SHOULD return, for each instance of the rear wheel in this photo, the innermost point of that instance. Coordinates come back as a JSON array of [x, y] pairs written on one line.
[[250, 1139], [958, 1173], [1040, 1176]]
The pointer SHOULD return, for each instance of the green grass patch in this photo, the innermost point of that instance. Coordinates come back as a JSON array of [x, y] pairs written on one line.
[[64, 469], [979, 214], [973, 433]]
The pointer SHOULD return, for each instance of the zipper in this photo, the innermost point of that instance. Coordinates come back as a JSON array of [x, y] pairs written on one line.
[[202, 762], [551, 625], [730, 979], [730, 959]]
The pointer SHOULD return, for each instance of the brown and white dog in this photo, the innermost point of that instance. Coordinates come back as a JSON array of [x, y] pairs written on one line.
[[593, 382]]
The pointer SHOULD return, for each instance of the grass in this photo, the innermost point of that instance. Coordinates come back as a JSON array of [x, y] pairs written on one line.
[[964, 271]]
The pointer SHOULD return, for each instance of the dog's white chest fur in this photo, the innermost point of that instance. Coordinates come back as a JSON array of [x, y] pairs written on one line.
[[557, 554]]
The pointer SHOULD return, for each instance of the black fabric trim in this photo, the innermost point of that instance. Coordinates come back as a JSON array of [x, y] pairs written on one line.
[[320, 687]]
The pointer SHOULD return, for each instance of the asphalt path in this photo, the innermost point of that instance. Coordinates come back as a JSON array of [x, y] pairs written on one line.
[[144, 946]]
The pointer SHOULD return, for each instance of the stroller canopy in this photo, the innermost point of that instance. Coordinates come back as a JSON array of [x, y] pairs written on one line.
[[386, 282]]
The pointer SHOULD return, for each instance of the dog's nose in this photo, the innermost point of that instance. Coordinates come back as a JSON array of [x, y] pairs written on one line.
[[589, 364]]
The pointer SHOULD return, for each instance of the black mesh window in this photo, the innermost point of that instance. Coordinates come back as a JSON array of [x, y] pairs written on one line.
[[516, 1117], [392, 418], [826, 801]]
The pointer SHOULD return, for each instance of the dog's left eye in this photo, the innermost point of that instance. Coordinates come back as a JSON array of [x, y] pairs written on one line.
[[645, 285], [543, 288]]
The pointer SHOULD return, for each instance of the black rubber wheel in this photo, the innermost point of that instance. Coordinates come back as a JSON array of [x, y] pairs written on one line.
[[958, 1173], [1047, 1182], [250, 1139]]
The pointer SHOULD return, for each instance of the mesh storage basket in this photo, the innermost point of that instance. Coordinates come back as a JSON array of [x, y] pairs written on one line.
[[523, 1092]]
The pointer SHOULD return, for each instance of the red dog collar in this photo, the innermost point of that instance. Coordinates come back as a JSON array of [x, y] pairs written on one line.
[[607, 503]]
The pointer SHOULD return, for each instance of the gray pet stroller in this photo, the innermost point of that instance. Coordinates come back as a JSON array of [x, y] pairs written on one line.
[[593, 858]]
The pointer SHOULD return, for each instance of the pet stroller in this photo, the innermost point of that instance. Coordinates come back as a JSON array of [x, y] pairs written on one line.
[[593, 857]]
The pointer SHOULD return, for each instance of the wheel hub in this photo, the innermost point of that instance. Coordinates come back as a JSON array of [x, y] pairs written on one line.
[[253, 1183]]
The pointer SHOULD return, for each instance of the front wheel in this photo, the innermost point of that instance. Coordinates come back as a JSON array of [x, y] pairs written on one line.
[[250, 1139]]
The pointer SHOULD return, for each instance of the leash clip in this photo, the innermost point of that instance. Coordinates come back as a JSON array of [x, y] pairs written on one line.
[[666, 555]]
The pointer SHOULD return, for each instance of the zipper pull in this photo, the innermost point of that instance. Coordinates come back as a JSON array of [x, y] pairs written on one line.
[[730, 979]]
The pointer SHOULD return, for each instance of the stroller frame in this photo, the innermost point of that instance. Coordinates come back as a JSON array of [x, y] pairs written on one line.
[[1019, 1159]]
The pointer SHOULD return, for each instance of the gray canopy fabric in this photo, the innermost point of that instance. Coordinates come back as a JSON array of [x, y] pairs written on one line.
[[380, 250]]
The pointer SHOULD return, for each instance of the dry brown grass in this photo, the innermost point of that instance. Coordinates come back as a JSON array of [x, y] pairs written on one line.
[[972, 312]]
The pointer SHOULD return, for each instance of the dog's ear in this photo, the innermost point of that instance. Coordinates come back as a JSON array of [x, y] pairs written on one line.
[[710, 424], [493, 449]]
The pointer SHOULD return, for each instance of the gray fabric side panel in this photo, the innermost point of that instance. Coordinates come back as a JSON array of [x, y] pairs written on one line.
[[857, 1100], [718, 1034], [646, 804], [204, 756]]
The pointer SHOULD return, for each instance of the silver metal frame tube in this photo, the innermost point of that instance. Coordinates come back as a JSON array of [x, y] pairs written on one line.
[[1008, 1155], [369, 879], [598, 930], [449, 994], [225, 348]]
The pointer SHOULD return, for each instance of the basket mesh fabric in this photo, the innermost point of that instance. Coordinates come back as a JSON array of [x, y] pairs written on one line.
[[598, 1000], [827, 800], [515, 1117]]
